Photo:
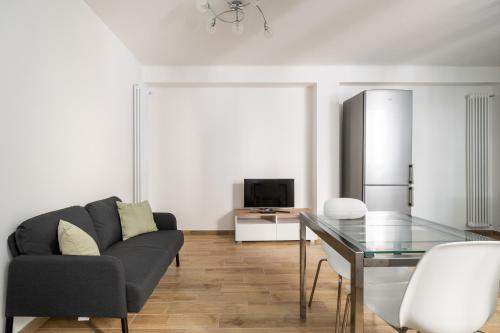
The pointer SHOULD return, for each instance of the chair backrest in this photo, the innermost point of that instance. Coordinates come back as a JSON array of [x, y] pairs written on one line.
[[341, 208], [454, 288], [344, 208], [336, 261]]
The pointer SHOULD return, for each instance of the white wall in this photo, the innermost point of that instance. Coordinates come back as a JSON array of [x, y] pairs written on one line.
[[439, 153], [205, 140], [66, 115], [438, 149], [329, 86]]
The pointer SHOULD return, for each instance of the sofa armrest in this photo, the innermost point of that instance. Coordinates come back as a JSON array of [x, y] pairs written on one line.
[[57, 285], [165, 221]]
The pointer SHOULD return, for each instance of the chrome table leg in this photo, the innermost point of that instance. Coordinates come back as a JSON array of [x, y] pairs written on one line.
[[303, 305], [357, 282]]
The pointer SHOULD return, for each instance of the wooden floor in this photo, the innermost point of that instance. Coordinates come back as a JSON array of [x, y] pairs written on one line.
[[223, 287]]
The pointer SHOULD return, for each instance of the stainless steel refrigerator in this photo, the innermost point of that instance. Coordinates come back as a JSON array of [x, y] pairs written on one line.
[[376, 149]]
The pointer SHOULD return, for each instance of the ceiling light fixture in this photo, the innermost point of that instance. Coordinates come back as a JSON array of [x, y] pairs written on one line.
[[234, 15]]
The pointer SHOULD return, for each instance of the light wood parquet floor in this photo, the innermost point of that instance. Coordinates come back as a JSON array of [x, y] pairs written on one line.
[[223, 287]]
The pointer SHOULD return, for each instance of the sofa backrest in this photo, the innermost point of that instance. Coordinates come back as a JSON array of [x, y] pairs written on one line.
[[106, 221], [38, 235]]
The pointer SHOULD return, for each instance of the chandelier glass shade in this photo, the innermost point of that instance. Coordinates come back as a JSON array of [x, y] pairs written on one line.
[[234, 14]]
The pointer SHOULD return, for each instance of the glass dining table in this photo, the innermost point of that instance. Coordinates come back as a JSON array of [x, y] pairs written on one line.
[[380, 239]]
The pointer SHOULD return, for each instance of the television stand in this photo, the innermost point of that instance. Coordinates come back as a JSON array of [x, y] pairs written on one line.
[[280, 224]]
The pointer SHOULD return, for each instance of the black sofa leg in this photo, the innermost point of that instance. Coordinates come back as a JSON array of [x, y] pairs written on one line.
[[177, 260], [124, 325], [9, 324]]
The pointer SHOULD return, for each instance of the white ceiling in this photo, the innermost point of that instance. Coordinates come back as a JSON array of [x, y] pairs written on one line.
[[312, 32]]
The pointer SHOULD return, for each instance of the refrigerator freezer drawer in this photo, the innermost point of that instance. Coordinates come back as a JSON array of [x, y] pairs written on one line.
[[388, 198]]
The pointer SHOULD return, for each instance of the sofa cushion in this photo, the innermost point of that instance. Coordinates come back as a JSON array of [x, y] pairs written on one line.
[[144, 267], [145, 259], [38, 235], [167, 240], [104, 213]]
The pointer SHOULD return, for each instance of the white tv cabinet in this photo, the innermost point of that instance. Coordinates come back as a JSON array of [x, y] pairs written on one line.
[[254, 226]]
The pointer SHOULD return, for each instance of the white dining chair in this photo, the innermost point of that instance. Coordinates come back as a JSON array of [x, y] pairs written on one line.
[[454, 289], [345, 209]]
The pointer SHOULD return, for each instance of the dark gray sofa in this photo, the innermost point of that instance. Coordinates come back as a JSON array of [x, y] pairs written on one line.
[[44, 283]]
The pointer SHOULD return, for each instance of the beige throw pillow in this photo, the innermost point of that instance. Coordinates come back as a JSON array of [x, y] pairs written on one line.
[[136, 218], [74, 241]]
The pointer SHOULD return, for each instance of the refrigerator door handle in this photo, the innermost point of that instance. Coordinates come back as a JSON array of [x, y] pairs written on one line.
[[410, 196], [410, 174]]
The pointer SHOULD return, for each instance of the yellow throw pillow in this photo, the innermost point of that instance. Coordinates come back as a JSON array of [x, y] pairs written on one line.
[[136, 218], [74, 241]]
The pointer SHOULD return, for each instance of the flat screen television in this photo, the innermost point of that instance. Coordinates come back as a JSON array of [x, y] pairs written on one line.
[[269, 193]]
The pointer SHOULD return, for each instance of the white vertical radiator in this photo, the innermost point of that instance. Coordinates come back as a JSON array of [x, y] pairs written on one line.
[[137, 142], [477, 161]]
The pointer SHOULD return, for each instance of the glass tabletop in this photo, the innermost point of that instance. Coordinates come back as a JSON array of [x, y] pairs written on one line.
[[392, 232]]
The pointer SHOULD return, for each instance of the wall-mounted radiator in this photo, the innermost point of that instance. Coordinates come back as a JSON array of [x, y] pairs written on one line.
[[477, 160], [137, 142]]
